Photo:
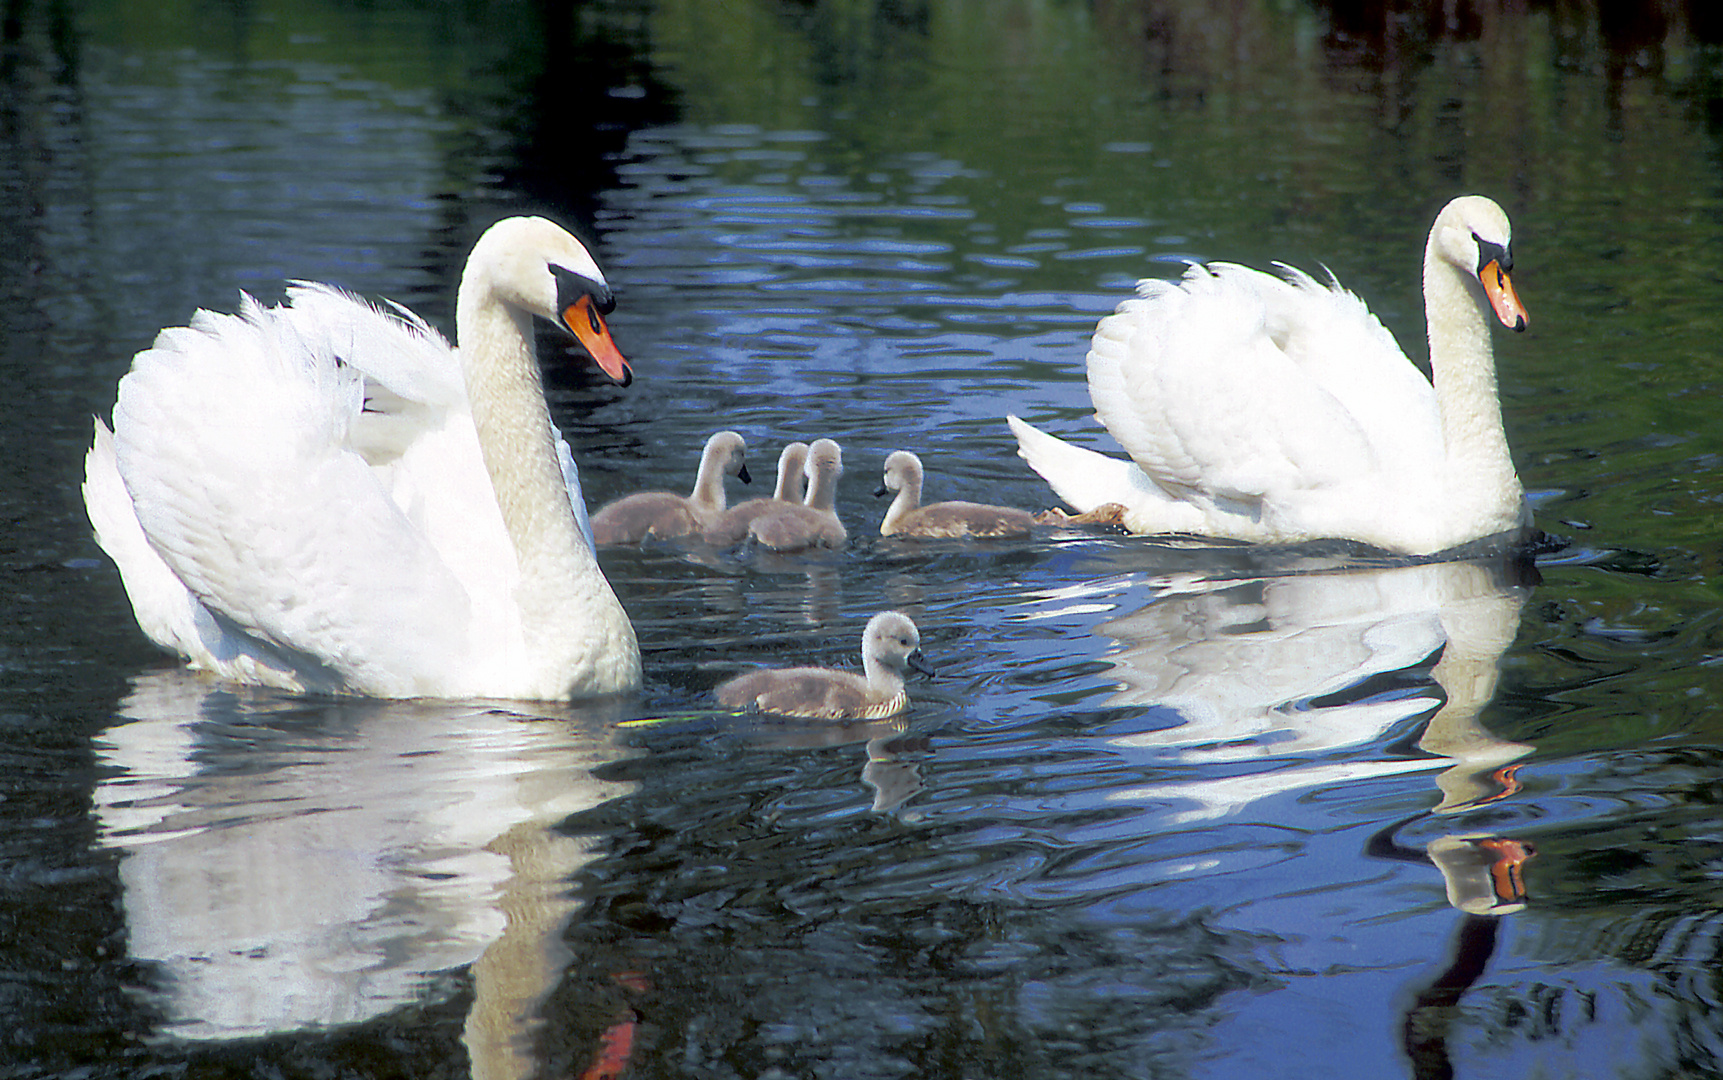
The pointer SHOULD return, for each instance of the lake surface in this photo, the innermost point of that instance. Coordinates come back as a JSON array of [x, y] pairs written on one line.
[[1166, 810]]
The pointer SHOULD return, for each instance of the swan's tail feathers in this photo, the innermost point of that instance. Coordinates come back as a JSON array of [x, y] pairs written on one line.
[[231, 436], [394, 347], [1088, 480], [412, 379], [1083, 478]]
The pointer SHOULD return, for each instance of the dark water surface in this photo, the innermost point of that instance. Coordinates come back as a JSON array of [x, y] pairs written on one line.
[[1165, 812]]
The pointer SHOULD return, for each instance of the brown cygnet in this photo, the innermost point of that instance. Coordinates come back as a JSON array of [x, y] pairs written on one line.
[[665, 514], [814, 523], [939, 521], [891, 646], [732, 525]]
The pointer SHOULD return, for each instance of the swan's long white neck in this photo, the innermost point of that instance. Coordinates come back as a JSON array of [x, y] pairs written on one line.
[[1479, 472], [570, 615]]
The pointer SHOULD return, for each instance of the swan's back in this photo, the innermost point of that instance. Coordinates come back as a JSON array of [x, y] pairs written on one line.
[[954, 519], [813, 693], [798, 528], [1245, 393], [633, 518]]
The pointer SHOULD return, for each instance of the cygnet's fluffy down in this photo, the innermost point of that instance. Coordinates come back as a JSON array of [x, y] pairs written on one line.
[[666, 515], [732, 525], [814, 523], [944, 520], [891, 646]]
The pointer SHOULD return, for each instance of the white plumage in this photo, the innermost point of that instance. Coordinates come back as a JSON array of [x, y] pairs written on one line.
[[324, 496], [1277, 409]]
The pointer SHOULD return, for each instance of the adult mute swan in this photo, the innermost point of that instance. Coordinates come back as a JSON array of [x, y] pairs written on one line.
[[1279, 410], [326, 497]]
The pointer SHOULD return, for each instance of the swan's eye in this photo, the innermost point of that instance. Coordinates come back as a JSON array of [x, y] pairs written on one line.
[[1491, 252], [571, 288]]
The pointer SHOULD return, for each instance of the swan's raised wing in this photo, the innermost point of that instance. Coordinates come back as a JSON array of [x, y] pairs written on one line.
[[234, 438], [1190, 380], [1330, 335], [412, 380]]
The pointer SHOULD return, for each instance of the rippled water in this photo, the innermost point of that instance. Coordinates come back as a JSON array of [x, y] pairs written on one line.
[[1165, 811]]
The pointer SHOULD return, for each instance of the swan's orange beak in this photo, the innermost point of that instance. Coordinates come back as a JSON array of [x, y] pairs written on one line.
[[1507, 873], [1501, 293], [587, 325]]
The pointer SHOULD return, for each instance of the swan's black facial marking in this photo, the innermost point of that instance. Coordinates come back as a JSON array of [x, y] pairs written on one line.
[[1490, 252], [570, 287], [581, 304]]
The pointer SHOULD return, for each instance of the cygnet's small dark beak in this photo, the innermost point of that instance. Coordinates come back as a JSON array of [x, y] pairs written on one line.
[[883, 490], [742, 475], [919, 663]]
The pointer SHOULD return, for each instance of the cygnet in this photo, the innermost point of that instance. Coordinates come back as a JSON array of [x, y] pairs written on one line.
[[665, 515], [814, 523], [944, 520], [732, 525], [891, 646]]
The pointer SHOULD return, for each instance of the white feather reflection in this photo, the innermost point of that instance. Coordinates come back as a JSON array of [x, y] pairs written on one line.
[[293, 864], [1293, 682], [1290, 669]]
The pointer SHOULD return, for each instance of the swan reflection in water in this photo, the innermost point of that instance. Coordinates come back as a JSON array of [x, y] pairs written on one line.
[[1293, 670], [293, 864]]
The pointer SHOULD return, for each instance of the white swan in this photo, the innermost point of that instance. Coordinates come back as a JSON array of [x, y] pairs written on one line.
[[325, 497], [1273, 410]]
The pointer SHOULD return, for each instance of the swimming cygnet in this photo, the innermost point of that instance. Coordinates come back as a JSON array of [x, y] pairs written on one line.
[[891, 645], [815, 522], [732, 524], [939, 521], [665, 514]]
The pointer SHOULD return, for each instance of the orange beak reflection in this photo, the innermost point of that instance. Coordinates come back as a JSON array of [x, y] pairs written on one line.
[[1501, 294], [587, 325]]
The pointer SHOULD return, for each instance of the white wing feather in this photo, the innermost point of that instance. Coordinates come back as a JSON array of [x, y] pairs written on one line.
[[235, 444]]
